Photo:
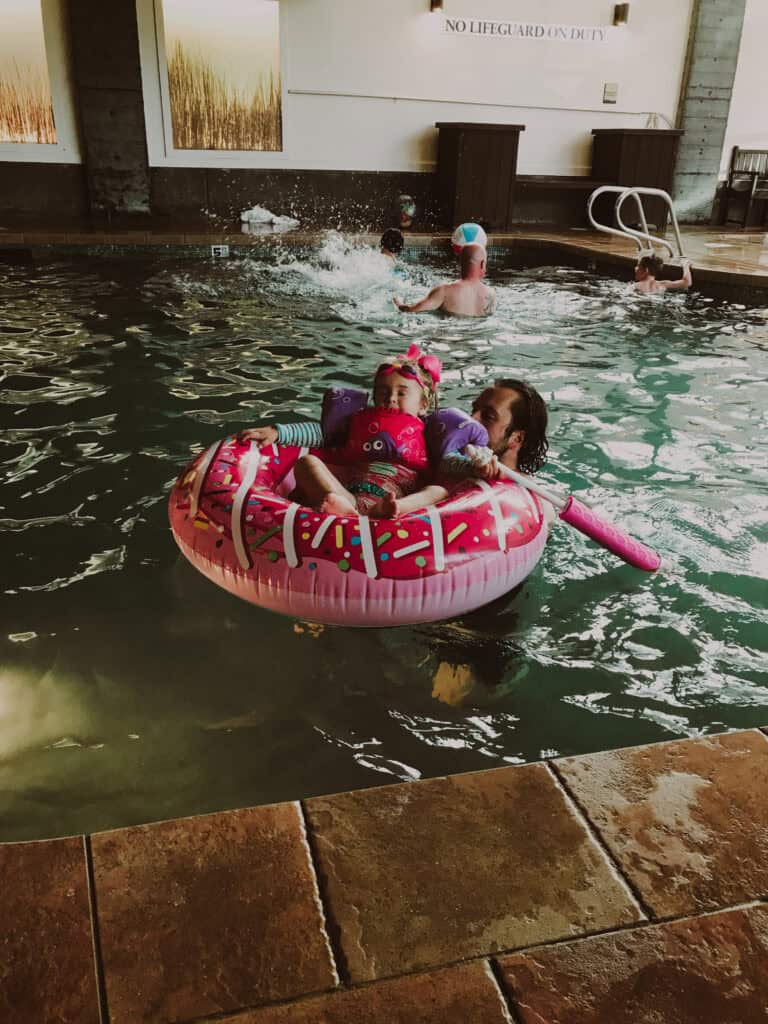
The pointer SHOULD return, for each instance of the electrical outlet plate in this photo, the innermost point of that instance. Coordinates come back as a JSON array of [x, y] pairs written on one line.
[[610, 92]]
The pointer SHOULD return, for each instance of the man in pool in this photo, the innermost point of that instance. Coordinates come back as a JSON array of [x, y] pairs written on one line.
[[515, 417], [466, 297], [649, 268]]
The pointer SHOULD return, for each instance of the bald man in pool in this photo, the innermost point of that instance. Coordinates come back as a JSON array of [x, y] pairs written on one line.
[[466, 297]]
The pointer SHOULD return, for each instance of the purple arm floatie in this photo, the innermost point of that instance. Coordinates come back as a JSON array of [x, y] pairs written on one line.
[[338, 405], [451, 430]]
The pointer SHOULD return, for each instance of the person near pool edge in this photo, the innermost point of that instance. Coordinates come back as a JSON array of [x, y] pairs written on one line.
[[466, 297], [648, 269], [515, 417]]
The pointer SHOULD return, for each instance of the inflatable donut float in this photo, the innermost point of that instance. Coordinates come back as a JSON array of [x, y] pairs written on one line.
[[232, 520]]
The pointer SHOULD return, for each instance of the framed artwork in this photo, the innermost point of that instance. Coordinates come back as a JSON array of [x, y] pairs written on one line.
[[223, 74], [26, 104], [38, 123]]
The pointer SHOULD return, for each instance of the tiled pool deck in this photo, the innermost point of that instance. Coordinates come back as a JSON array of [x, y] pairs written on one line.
[[728, 264], [627, 886]]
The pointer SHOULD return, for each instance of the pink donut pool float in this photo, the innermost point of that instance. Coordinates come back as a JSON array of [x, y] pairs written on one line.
[[231, 518]]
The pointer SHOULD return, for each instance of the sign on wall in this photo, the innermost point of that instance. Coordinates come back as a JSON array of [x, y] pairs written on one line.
[[26, 110], [527, 30], [223, 62]]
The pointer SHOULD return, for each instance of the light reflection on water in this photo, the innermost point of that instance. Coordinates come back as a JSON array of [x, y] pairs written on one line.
[[132, 689]]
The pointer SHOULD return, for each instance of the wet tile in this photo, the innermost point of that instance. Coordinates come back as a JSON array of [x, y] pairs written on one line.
[[205, 238], [126, 237], [45, 237], [427, 873], [706, 969], [165, 238], [206, 915], [47, 971], [454, 996], [687, 821], [87, 238]]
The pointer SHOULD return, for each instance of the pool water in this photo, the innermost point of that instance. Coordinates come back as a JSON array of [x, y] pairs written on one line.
[[132, 689]]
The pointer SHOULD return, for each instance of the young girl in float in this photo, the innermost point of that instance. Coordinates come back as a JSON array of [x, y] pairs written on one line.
[[378, 470]]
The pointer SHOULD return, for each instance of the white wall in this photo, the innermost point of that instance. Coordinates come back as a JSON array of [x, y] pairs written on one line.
[[748, 117], [365, 81]]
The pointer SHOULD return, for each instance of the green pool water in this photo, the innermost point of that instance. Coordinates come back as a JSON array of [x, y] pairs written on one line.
[[131, 689]]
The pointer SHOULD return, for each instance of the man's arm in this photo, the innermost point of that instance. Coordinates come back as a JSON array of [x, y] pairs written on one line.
[[434, 300]]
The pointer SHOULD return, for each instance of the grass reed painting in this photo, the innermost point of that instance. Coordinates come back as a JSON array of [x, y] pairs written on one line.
[[208, 112], [26, 110], [224, 74]]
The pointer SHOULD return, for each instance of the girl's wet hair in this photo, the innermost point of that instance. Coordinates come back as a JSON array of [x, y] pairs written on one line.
[[529, 414]]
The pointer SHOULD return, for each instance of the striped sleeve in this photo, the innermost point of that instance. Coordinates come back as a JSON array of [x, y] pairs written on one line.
[[303, 435]]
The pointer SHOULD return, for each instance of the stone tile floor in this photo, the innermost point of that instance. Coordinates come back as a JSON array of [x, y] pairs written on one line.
[[628, 886]]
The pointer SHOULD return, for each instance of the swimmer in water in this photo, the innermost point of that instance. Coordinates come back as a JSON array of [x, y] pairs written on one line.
[[392, 243], [649, 268], [466, 297]]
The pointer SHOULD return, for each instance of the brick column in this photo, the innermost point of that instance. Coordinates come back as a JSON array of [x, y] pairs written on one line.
[[704, 104], [105, 58]]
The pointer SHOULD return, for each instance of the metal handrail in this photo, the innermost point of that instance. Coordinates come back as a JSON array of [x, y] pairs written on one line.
[[623, 193]]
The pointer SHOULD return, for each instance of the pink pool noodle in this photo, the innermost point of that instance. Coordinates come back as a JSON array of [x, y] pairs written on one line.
[[609, 536]]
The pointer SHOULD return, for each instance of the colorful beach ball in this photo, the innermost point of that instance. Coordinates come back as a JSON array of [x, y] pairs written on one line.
[[466, 234]]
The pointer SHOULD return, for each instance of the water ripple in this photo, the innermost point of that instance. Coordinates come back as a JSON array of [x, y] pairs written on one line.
[[114, 372]]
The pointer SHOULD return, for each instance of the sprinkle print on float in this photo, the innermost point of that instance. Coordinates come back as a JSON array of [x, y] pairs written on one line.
[[441, 561]]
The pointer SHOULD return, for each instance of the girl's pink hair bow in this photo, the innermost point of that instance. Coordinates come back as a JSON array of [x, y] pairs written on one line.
[[431, 364], [407, 365]]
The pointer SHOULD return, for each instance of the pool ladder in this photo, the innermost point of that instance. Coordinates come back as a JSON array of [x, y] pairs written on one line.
[[623, 193]]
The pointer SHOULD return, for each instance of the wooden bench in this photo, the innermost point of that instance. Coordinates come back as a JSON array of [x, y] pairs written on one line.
[[747, 181]]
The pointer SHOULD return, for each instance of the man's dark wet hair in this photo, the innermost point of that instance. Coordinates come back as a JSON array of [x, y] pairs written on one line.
[[392, 240], [653, 264], [529, 414]]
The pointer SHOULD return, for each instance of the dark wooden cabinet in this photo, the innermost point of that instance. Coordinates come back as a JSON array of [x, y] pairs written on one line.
[[476, 171], [636, 156]]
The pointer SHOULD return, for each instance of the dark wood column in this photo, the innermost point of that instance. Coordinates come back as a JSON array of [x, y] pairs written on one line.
[[107, 76]]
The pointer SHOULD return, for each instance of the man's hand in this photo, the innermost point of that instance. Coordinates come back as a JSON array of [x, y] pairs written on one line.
[[261, 435], [484, 463]]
